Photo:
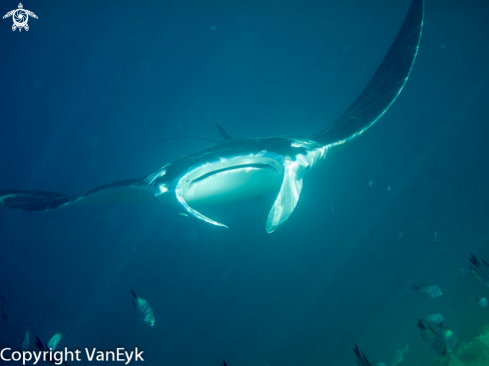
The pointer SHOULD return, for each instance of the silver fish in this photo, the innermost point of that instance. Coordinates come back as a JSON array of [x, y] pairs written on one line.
[[469, 271], [25, 343], [434, 340], [361, 359], [400, 355], [53, 342], [427, 290], [434, 318], [482, 301], [450, 338], [480, 267], [144, 310], [45, 348]]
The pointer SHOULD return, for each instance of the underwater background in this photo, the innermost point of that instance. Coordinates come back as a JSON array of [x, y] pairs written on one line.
[[89, 89]]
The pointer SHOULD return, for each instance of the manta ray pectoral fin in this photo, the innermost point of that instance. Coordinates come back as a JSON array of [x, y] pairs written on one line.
[[194, 213], [130, 190], [31, 200], [385, 85], [287, 198]]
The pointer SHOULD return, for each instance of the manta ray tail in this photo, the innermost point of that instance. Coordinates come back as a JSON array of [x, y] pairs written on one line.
[[124, 191], [385, 85]]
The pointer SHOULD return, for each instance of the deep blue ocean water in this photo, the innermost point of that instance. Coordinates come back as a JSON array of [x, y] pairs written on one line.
[[91, 86]]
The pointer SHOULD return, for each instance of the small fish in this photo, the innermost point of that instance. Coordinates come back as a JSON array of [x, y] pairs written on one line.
[[44, 348], [144, 310], [53, 342], [182, 214], [480, 267], [450, 338], [482, 301], [332, 207], [427, 290], [380, 364], [434, 340], [435, 237], [4, 309], [25, 343], [371, 183], [223, 363], [400, 355], [434, 318], [468, 272], [388, 186], [361, 359]]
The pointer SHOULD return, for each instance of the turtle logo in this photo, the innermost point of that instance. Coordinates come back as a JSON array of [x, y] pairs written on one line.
[[20, 17]]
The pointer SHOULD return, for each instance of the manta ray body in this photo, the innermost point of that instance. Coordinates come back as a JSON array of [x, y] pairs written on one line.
[[243, 168]]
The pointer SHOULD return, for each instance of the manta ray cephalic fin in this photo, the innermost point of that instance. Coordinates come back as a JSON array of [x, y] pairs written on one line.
[[223, 132], [287, 198], [194, 213]]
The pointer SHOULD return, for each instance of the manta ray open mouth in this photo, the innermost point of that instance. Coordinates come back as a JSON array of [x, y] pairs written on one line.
[[229, 169], [230, 180]]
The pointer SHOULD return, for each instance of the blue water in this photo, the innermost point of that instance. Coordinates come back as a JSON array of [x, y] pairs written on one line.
[[92, 85]]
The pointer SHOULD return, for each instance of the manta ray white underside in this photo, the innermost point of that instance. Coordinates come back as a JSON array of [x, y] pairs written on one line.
[[239, 177]]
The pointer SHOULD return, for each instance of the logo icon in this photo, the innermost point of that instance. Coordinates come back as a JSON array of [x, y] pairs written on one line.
[[20, 17]]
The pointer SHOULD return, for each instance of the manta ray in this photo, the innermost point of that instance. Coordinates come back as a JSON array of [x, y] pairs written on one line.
[[235, 169]]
